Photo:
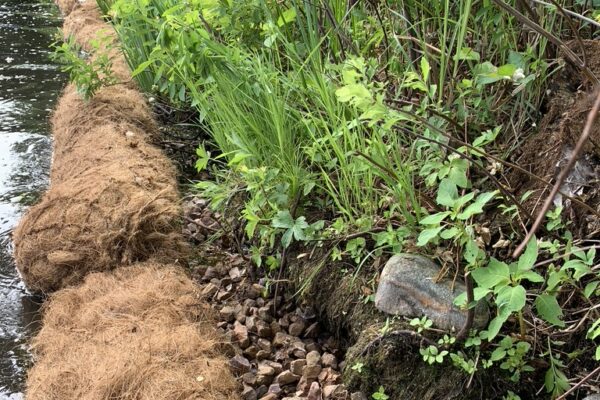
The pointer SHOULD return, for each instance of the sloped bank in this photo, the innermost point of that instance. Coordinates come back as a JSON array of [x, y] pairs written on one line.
[[132, 329]]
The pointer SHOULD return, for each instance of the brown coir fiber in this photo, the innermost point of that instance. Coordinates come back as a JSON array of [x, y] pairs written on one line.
[[109, 215], [138, 333], [83, 22], [114, 126], [113, 197]]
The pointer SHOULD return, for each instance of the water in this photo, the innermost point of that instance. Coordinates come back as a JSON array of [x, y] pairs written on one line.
[[29, 85]]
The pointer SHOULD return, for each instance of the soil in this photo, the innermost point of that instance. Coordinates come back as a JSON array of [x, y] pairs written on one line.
[[547, 151]]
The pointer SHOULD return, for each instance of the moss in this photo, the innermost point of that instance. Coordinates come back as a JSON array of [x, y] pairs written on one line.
[[395, 363]]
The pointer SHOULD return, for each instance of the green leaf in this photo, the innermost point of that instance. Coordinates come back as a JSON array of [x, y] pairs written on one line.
[[477, 206], [287, 16], [425, 68], [590, 288], [511, 297], [495, 274], [530, 276], [529, 257], [427, 235], [597, 356], [450, 233], [434, 219], [496, 324], [507, 70], [283, 220], [548, 308], [467, 53], [141, 68], [447, 193], [356, 94]]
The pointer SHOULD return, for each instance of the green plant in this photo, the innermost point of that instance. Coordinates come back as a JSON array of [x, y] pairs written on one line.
[[380, 394], [91, 74], [358, 367], [422, 324], [431, 354]]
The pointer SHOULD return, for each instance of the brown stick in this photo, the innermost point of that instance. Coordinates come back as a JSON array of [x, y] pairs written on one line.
[[578, 384], [563, 174]]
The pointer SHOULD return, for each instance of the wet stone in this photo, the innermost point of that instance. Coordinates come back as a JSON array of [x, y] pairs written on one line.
[[407, 288]]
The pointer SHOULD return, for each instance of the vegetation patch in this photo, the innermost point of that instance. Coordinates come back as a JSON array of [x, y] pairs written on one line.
[[357, 130]]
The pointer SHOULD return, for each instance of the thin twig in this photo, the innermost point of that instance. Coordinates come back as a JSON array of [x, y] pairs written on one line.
[[562, 176], [578, 384], [571, 13], [571, 56]]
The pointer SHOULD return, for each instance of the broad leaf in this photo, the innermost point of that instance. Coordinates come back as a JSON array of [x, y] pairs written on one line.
[[529, 257], [283, 220], [511, 297], [447, 193], [496, 324], [495, 274], [477, 206], [548, 308], [427, 235], [434, 219]]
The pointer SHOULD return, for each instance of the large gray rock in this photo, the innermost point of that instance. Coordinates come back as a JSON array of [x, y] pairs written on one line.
[[407, 288]]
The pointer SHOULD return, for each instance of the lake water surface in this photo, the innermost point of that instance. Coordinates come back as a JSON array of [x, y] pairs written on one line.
[[29, 86]]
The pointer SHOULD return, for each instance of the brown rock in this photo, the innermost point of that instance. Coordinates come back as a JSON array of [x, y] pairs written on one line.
[[251, 352], [248, 393], [275, 328], [314, 393], [263, 329], [239, 364], [297, 328], [335, 392], [276, 366], [297, 366], [328, 376], [275, 389], [235, 274], [263, 355], [358, 396], [210, 290], [224, 295], [251, 324], [329, 360], [264, 313], [269, 396], [227, 313], [264, 344], [240, 334], [313, 358], [282, 340], [249, 378], [286, 377], [311, 372]]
